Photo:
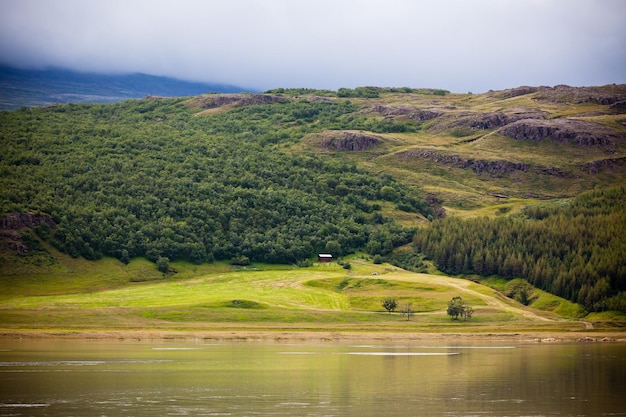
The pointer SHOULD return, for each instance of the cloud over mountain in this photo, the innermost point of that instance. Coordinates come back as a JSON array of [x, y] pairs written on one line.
[[453, 44]]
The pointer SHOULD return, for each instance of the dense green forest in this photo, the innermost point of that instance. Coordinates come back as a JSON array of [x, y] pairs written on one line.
[[147, 178], [575, 249]]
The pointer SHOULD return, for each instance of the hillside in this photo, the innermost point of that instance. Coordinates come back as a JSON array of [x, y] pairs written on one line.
[[281, 176], [21, 87]]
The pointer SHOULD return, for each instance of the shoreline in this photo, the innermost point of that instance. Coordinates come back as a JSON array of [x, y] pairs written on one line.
[[310, 336]]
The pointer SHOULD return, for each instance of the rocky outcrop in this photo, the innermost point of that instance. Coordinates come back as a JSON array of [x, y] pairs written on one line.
[[498, 119], [12, 223], [18, 221], [317, 99], [515, 92], [564, 94], [350, 141], [479, 166], [494, 168], [618, 107], [563, 131], [561, 94], [485, 121], [13, 241], [408, 112], [210, 101], [611, 164]]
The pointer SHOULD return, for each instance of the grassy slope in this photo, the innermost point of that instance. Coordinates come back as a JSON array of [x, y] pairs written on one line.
[[466, 193], [105, 295]]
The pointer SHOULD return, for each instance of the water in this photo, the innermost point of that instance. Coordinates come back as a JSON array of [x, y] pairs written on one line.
[[95, 378]]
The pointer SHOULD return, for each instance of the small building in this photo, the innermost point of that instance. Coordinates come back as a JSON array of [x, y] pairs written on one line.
[[324, 257]]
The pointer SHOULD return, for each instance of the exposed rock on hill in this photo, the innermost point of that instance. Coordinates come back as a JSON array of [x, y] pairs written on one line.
[[494, 120], [618, 107], [18, 221], [605, 95], [564, 94], [562, 130], [515, 92], [349, 141], [479, 166], [210, 101], [409, 112], [595, 167], [469, 121], [11, 223], [494, 168]]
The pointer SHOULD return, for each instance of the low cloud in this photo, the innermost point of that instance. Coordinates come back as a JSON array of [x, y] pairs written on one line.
[[458, 45]]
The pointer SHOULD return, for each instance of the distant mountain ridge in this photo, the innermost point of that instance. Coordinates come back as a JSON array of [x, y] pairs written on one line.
[[30, 87]]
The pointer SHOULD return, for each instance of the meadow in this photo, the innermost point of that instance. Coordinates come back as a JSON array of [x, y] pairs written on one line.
[[219, 297]]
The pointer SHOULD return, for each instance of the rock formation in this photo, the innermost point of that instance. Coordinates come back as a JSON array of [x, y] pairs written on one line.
[[18, 221], [409, 112], [350, 141], [561, 130], [210, 101], [479, 166]]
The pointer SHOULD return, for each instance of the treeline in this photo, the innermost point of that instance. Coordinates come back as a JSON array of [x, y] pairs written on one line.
[[576, 250], [374, 92], [150, 178]]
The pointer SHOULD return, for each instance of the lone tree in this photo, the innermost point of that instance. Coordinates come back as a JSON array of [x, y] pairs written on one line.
[[407, 310], [390, 304], [163, 264], [457, 308]]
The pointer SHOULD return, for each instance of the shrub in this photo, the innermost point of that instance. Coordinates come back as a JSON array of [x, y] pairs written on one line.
[[240, 260], [163, 264]]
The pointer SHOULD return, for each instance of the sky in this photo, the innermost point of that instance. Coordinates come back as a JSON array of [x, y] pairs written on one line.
[[457, 45]]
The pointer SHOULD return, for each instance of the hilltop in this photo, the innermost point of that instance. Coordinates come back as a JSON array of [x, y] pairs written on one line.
[[421, 178]]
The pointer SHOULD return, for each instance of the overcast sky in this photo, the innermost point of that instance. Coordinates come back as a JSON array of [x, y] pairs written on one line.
[[458, 45]]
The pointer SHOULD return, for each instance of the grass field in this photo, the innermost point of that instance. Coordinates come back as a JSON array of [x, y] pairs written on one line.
[[220, 297]]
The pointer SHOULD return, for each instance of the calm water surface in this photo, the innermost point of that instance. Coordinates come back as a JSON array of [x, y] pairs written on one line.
[[95, 378]]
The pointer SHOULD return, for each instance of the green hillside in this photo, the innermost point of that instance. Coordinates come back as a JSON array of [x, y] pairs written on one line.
[[410, 176]]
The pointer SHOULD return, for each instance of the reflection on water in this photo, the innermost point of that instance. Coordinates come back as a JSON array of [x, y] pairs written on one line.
[[92, 378]]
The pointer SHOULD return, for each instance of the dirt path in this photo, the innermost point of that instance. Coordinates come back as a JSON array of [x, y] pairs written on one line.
[[494, 301]]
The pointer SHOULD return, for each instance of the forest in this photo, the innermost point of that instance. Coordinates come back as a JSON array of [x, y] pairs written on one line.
[[146, 178], [572, 249]]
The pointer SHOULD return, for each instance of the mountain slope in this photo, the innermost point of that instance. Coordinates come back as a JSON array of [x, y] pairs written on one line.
[[22, 87], [474, 151], [152, 178], [280, 177]]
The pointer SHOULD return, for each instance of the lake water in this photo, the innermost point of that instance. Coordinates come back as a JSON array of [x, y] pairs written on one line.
[[96, 378]]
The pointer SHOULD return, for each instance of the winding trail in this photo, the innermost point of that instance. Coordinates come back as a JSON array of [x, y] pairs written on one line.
[[495, 301]]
